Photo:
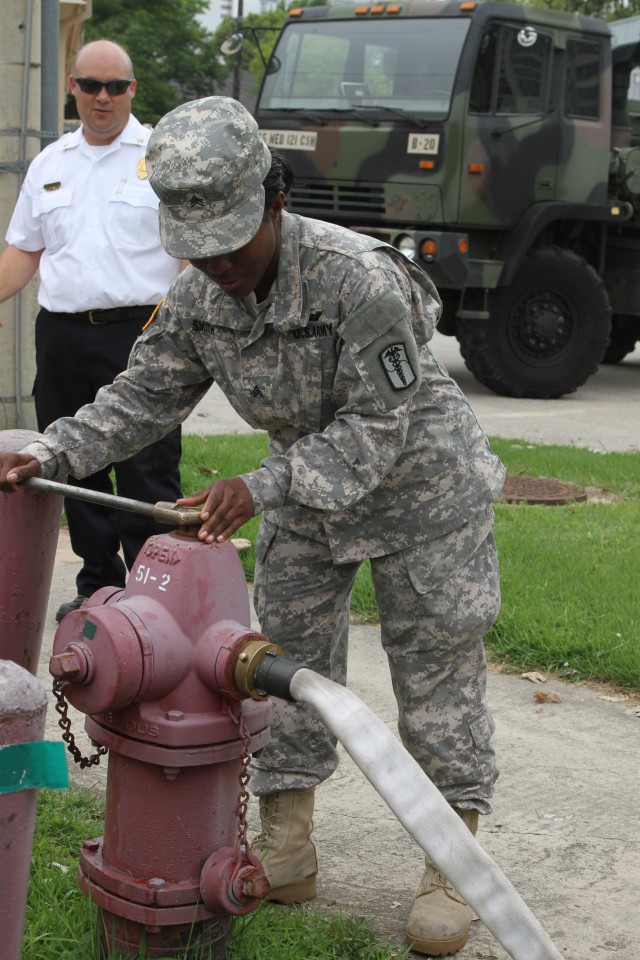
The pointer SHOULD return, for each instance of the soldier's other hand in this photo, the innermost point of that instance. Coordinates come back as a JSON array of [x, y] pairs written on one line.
[[227, 505], [15, 467]]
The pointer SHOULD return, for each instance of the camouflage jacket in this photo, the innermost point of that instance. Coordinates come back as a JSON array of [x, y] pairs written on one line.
[[372, 445]]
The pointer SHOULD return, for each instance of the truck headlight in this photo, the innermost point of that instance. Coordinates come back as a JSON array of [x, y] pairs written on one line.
[[406, 245]]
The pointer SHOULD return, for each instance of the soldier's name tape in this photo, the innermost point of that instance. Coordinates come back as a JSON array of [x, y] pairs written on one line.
[[40, 764]]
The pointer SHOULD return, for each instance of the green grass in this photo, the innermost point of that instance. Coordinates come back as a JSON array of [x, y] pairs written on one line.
[[304, 933], [207, 459], [62, 924], [570, 583]]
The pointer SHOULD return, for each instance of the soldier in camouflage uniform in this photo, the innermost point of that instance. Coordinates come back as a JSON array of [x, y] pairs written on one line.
[[320, 337]]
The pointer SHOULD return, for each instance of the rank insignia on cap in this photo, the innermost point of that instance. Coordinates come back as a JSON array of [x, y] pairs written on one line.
[[141, 169], [214, 207], [397, 366]]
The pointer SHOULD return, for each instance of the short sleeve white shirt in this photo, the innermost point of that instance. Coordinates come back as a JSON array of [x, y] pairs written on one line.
[[92, 211]]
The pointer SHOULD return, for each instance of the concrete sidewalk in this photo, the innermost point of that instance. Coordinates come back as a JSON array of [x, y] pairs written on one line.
[[566, 823]]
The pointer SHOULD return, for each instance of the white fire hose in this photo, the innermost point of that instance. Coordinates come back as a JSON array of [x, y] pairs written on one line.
[[426, 815]]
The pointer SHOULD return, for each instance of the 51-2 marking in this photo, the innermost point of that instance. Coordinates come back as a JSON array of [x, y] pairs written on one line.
[[144, 574]]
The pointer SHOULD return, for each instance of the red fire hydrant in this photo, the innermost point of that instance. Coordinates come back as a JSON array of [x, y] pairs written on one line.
[[162, 670]]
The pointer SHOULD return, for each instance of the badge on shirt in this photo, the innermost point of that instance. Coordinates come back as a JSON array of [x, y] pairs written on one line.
[[397, 366], [141, 169], [52, 186]]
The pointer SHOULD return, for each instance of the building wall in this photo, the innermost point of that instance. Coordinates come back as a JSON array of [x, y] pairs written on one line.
[[21, 54]]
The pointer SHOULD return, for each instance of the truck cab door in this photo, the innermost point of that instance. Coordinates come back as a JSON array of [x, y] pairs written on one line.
[[511, 138]]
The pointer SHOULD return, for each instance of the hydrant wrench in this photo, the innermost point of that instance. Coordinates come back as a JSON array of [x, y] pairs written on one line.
[[162, 512]]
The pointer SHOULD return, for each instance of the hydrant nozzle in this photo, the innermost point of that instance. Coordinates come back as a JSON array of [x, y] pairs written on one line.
[[73, 664]]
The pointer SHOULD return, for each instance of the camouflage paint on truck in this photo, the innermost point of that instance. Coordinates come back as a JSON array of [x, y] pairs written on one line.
[[490, 142]]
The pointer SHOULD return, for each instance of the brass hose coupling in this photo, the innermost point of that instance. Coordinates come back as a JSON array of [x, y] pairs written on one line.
[[262, 670]]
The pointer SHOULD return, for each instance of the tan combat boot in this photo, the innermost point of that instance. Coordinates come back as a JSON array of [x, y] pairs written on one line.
[[285, 846], [439, 921]]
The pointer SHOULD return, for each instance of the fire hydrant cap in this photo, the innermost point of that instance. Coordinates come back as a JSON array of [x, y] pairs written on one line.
[[107, 639]]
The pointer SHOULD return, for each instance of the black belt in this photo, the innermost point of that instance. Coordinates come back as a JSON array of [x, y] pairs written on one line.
[[117, 314]]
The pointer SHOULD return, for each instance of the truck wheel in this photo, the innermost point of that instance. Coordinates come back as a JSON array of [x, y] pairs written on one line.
[[546, 333], [623, 340]]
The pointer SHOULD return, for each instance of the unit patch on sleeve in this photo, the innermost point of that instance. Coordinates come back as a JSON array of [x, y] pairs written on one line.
[[397, 366]]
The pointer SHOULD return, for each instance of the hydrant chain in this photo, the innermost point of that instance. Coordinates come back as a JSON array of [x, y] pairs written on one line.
[[242, 805], [64, 723]]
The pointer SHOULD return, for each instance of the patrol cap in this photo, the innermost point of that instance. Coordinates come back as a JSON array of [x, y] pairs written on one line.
[[206, 162]]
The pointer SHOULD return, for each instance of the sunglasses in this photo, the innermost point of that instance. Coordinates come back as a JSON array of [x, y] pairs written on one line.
[[115, 88]]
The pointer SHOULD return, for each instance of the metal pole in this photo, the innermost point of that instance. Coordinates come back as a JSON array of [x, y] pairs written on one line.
[[50, 46], [23, 706], [22, 167], [29, 525], [237, 66]]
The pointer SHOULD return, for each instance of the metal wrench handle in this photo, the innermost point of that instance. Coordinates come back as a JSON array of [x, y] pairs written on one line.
[[163, 512]]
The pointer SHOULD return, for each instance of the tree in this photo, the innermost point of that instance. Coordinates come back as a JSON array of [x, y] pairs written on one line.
[[175, 58], [605, 9], [260, 32], [263, 29]]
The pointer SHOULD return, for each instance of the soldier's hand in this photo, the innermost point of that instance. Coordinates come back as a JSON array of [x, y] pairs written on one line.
[[15, 467], [227, 505]]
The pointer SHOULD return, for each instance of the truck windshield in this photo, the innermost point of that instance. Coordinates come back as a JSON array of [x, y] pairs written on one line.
[[407, 65]]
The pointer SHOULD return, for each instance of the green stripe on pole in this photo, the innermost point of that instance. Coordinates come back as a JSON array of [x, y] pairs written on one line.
[[32, 766]]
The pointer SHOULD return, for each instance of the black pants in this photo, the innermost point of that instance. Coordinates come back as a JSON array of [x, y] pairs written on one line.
[[73, 360]]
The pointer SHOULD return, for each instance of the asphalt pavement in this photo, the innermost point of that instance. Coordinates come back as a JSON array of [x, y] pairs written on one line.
[[565, 828]]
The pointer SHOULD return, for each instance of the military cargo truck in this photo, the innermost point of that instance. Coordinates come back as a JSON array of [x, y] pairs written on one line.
[[492, 143]]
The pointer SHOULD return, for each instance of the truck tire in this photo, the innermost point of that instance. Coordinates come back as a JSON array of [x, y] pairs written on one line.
[[623, 340], [546, 333]]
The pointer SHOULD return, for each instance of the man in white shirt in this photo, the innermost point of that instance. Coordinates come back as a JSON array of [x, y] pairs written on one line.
[[88, 220]]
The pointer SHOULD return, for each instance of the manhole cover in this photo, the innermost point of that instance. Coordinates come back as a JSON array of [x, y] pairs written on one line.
[[540, 490]]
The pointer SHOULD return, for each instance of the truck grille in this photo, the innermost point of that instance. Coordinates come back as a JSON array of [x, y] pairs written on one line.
[[326, 200]]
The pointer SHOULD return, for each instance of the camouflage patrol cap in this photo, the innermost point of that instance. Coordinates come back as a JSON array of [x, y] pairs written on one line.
[[206, 162]]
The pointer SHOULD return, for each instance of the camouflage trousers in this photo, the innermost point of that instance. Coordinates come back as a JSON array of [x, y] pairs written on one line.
[[435, 601]]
